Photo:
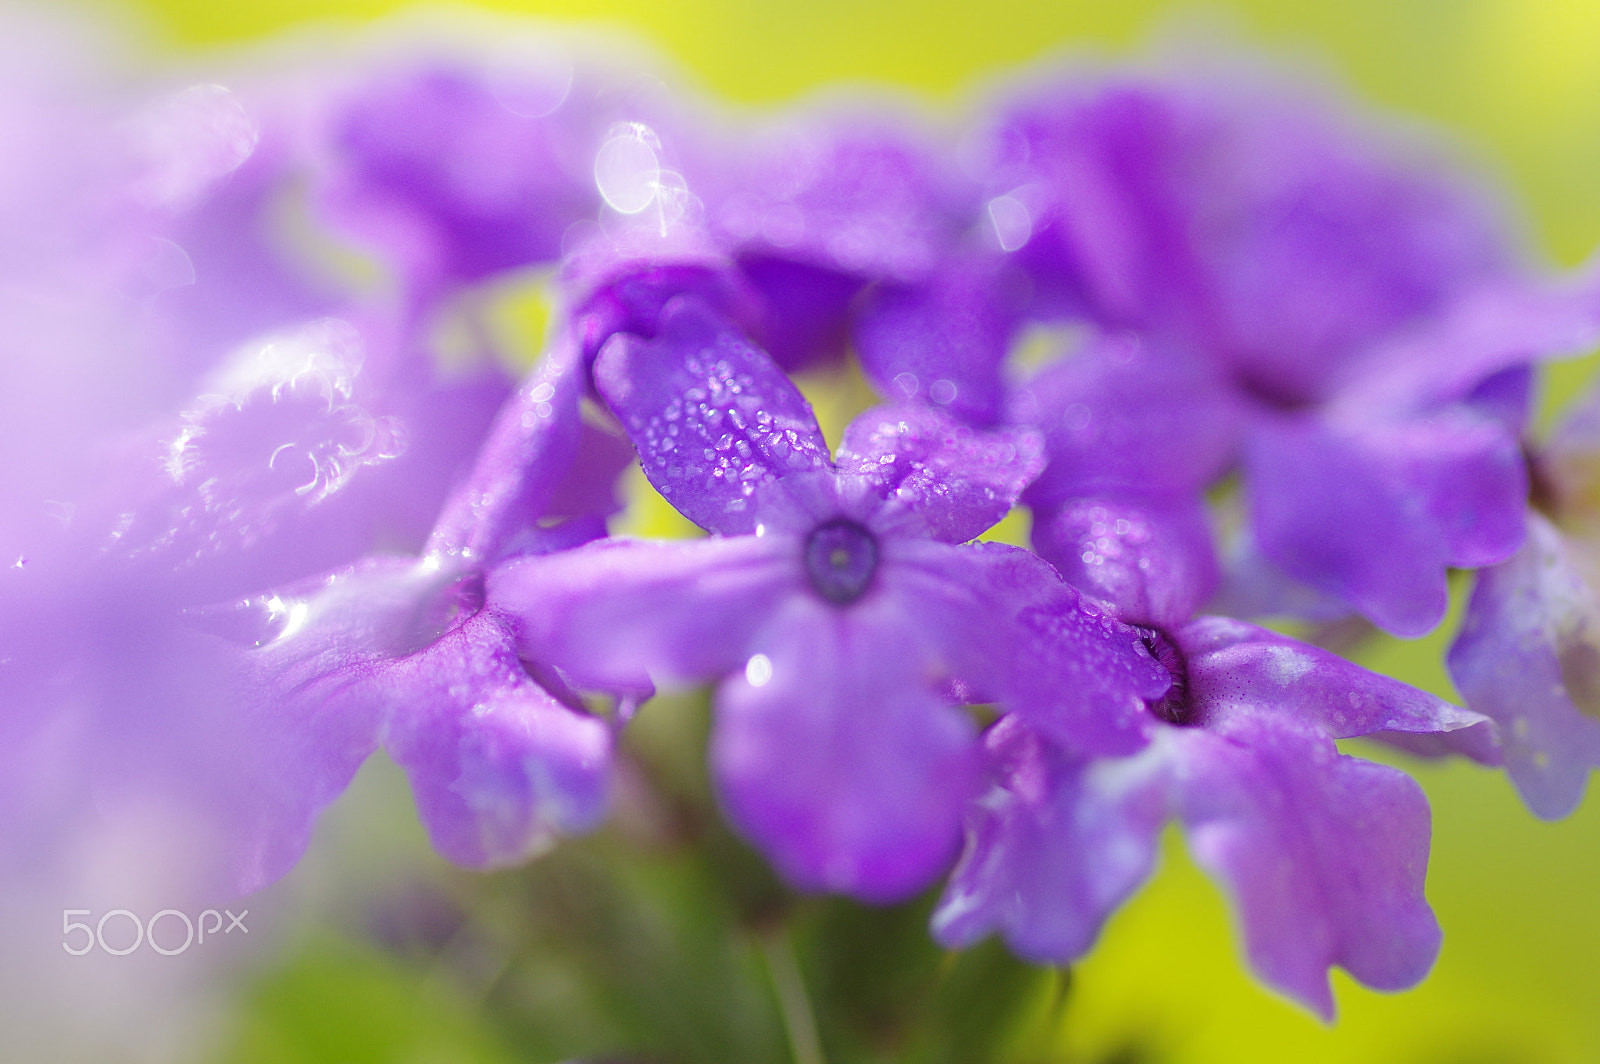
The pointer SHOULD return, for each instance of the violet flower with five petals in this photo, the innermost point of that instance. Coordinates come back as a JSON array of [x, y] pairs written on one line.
[[834, 607]]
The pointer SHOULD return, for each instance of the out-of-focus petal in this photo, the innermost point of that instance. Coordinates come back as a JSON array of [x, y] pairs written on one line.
[[1236, 667], [1528, 656], [1130, 413], [1375, 512], [1325, 855], [279, 434], [944, 341], [959, 480], [1480, 335], [712, 417], [436, 167], [625, 614], [1053, 847], [832, 755], [853, 194], [527, 455], [1148, 557]]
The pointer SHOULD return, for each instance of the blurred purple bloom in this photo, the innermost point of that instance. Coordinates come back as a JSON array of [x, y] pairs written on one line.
[[848, 624], [1275, 295], [817, 207], [412, 653], [453, 173]]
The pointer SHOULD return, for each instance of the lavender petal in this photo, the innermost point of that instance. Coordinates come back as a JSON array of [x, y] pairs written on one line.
[[959, 480], [624, 614], [1527, 656], [1325, 855], [1236, 667], [712, 417], [830, 753], [1053, 848]]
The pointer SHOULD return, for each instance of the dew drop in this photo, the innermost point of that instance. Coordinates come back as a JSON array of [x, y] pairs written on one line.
[[626, 169]]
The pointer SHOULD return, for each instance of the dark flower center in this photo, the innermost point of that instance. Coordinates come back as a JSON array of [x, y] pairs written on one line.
[[1173, 707], [1542, 493], [841, 557]]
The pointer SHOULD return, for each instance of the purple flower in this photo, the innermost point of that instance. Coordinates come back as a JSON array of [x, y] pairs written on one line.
[[833, 606], [1408, 465], [1323, 854]]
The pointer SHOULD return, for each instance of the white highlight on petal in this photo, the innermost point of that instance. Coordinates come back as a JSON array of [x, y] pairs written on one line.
[[1012, 221], [1286, 665], [758, 670], [627, 170]]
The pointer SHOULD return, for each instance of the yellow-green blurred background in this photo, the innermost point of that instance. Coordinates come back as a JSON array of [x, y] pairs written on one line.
[[1517, 84]]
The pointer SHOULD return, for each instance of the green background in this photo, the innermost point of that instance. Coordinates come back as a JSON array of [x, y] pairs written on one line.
[[1516, 83]]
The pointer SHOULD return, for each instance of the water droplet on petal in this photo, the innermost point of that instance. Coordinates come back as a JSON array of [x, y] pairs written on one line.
[[758, 670], [626, 169], [1012, 221]]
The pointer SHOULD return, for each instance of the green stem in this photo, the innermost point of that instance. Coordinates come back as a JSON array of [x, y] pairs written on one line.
[[798, 1019]]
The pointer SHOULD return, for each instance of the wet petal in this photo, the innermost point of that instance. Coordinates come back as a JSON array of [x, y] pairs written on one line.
[[1236, 667], [1004, 627], [500, 767], [833, 756], [623, 614], [529, 452], [945, 341], [1324, 855], [1148, 557], [712, 417], [1528, 656], [1053, 847], [313, 687], [959, 480]]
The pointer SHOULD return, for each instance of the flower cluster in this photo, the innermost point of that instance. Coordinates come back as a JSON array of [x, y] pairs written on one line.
[[1232, 351]]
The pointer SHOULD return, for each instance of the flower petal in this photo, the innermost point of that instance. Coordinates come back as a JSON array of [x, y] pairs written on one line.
[[1053, 848], [959, 480], [1375, 512], [833, 756], [529, 451], [1005, 628], [1528, 656], [440, 173], [1325, 855], [498, 764], [712, 417], [623, 614], [1130, 412], [1148, 557], [944, 341], [1236, 667]]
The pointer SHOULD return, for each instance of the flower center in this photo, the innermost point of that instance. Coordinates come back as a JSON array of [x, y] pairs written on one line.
[[1173, 707], [841, 557]]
